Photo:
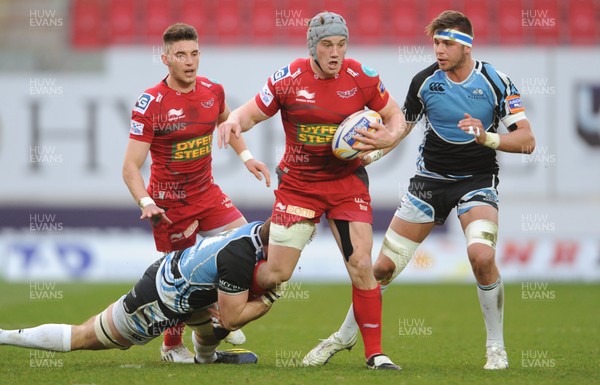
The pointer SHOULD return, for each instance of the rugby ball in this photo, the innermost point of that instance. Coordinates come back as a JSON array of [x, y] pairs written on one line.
[[343, 138]]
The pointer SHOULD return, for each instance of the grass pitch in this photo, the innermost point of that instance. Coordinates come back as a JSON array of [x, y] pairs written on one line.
[[435, 332]]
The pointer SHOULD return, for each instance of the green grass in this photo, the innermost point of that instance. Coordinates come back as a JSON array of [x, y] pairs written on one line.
[[561, 335]]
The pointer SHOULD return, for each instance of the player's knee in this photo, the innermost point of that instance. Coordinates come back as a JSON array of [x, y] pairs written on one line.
[[383, 270], [399, 251], [481, 236], [360, 262], [482, 257]]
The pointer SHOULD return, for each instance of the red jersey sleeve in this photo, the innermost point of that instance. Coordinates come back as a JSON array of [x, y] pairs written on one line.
[[141, 127], [371, 85], [266, 100]]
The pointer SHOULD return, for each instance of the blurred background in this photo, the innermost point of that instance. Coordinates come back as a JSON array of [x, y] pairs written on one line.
[[71, 70]]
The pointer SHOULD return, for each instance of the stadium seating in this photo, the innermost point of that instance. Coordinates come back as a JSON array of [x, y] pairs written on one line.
[[101, 23], [88, 27], [546, 22], [483, 22], [122, 22], [158, 15], [583, 21], [509, 14]]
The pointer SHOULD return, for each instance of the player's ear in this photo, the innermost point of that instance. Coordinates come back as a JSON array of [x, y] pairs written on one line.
[[165, 59]]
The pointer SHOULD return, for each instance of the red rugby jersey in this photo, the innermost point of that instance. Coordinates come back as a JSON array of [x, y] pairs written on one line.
[[311, 110], [180, 128]]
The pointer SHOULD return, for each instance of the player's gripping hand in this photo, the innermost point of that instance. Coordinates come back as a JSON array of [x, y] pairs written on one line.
[[225, 130], [377, 137], [155, 214], [257, 168], [473, 126]]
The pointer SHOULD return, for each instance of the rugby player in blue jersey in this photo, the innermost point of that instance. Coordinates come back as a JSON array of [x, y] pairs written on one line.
[[206, 286], [463, 101]]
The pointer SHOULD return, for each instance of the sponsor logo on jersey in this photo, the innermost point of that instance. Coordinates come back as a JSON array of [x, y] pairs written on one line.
[[352, 72], [205, 84], [347, 94], [300, 211], [174, 114], [209, 103], [369, 71], [159, 97], [280, 74], [137, 128], [316, 134], [191, 149], [143, 102], [381, 88], [266, 95], [438, 87], [477, 93], [515, 104], [305, 94], [296, 73], [229, 287]]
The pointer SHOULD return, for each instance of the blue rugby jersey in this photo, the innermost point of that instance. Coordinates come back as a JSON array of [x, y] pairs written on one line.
[[188, 280], [446, 151]]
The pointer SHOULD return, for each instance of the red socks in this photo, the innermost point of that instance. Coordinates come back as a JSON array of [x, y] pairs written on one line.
[[174, 335], [367, 312]]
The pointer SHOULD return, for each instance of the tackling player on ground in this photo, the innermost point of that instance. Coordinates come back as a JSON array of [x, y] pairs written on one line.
[[314, 95], [174, 122], [206, 286], [463, 101]]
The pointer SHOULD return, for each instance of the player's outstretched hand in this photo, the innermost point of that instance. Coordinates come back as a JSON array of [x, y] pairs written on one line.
[[225, 130], [257, 168], [473, 126], [155, 214], [377, 137]]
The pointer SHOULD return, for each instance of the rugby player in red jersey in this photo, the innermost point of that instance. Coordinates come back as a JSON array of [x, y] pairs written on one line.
[[314, 95], [174, 122]]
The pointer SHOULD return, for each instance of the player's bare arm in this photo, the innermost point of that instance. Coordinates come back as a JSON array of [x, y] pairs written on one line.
[[520, 139], [240, 120], [255, 166], [387, 135], [235, 310], [135, 156]]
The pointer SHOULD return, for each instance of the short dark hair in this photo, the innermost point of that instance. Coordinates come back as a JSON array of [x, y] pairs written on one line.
[[178, 32], [450, 19]]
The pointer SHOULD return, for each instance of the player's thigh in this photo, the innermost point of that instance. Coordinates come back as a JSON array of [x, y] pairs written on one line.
[[416, 232], [354, 238], [483, 212], [282, 259]]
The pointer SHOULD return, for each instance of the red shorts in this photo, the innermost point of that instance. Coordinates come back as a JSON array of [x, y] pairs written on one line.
[[214, 210], [346, 198]]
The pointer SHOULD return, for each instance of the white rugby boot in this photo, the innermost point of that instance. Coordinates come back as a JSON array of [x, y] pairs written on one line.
[[381, 362], [179, 354], [496, 357], [321, 353], [236, 337]]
